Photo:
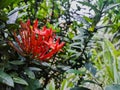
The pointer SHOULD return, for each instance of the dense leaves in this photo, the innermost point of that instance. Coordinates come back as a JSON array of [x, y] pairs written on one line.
[[88, 30]]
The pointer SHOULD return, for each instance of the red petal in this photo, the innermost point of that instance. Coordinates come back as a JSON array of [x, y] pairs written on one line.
[[35, 24], [28, 22]]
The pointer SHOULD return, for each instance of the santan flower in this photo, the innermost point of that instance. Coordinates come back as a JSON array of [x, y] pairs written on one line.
[[41, 44]]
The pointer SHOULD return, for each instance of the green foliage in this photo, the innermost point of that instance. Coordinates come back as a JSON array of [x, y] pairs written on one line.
[[6, 79], [5, 3], [19, 80], [33, 84], [51, 85], [91, 53]]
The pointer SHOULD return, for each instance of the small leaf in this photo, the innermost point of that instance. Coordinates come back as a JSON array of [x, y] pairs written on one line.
[[88, 19], [34, 69], [75, 71], [63, 67], [20, 81], [16, 62], [30, 73], [6, 79]]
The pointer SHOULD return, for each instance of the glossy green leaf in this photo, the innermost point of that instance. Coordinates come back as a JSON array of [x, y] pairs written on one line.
[[75, 71], [30, 73], [6, 79], [20, 81], [34, 69], [16, 62]]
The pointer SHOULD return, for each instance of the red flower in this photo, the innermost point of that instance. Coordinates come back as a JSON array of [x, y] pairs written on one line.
[[40, 44]]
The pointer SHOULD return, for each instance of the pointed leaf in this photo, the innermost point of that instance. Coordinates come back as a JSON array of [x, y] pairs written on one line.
[[16, 62], [6, 79], [75, 71], [51, 85], [30, 73], [110, 7], [20, 81]]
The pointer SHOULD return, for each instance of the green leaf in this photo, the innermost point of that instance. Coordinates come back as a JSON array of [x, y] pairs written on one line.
[[34, 84], [88, 19], [35, 69], [100, 4], [91, 68], [64, 85], [110, 55], [71, 34], [2, 25], [16, 62], [79, 88], [6, 79], [3, 17], [113, 87], [75, 71], [68, 82], [51, 85], [110, 7], [30, 73], [5, 3], [89, 5], [20, 81]]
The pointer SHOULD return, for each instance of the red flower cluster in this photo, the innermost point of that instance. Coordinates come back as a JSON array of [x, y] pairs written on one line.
[[41, 44]]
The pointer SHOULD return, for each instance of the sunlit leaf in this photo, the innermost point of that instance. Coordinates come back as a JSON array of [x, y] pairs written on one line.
[[51, 85]]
